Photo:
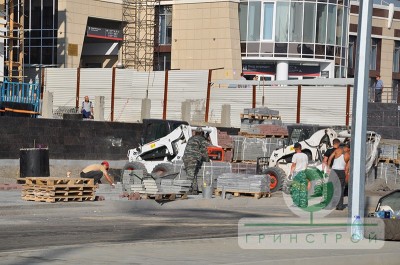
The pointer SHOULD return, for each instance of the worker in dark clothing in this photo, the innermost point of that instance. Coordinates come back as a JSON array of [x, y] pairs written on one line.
[[194, 156], [327, 154]]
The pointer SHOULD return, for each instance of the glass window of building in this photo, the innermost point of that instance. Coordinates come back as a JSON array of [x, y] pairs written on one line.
[[322, 15], [254, 21], [331, 25], [396, 57], [165, 25], [243, 20], [374, 54], [352, 46], [41, 24], [296, 22], [281, 21], [309, 23], [339, 24], [268, 20]]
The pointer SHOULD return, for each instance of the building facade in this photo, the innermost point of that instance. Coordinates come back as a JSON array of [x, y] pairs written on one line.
[[270, 39]]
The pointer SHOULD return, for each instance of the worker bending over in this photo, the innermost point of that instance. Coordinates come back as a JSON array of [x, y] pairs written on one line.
[[97, 171]]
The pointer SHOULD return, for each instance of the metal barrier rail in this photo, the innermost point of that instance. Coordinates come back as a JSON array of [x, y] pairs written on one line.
[[27, 93]]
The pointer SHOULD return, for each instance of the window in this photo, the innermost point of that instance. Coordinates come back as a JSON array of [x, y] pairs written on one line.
[[254, 21], [331, 36], [373, 54], [321, 23], [281, 22], [162, 61], [339, 23], [296, 21], [243, 21], [165, 25], [352, 46], [268, 20], [309, 23], [41, 23], [396, 57]]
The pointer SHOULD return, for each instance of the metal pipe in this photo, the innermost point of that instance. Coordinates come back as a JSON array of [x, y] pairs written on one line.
[[298, 103], [209, 92], [253, 105], [208, 95], [78, 85], [165, 95], [113, 93], [348, 107], [360, 106]]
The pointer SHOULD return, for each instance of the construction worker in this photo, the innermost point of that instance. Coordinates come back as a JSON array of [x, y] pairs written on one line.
[[327, 154], [340, 158], [97, 171], [194, 156], [299, 161]]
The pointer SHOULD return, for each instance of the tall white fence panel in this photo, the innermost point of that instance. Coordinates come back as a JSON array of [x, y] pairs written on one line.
[[62, 83]]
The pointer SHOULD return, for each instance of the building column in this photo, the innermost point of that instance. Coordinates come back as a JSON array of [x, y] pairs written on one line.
[[282, 70]]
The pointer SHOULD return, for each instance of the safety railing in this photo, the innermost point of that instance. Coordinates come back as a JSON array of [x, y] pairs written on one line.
[[25, 93], [389, 95]]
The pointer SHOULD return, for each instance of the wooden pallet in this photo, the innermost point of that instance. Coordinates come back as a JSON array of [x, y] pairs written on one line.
[[254, 135], [41, 189], [163, 196], [253, 116], [237, 193], [389, 161], [58, 181], [57, 198]]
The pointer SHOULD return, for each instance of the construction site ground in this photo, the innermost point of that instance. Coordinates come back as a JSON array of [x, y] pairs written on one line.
[[193, 231]]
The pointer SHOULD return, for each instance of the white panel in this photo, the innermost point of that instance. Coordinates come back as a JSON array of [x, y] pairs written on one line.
[[283, 99], [97, 82], [62, 82], [153, 85], [184, 85], [238, 98], [323, 105], [128, 99]]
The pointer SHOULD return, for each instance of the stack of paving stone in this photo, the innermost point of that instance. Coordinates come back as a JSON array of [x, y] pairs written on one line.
[[175, 186], [151, 186], [245, 183], [262, 121], [110, 193], [388, 151], [132, 180], [248, 149]]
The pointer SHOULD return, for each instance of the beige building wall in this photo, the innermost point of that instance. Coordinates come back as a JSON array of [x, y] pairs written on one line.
[[206, 36], [72, 20]]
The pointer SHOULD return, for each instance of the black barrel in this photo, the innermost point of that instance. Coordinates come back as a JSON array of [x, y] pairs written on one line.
[[34, 162]]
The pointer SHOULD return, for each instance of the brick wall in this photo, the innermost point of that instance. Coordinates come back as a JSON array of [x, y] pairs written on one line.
[[71, 139]]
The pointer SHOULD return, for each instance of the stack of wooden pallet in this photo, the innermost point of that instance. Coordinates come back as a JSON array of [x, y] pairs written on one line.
[[42, 189]]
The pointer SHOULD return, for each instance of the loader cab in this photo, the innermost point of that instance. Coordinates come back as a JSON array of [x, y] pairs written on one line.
[[301, 132], [154, 129]]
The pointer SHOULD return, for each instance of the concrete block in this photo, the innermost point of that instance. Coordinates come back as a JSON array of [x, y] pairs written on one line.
[[47, 105], [226, 115], [186, 110], [146, 106], [99, 108]]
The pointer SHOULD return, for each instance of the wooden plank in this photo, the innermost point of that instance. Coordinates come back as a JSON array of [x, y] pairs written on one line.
[[238, 193], [21, 111]]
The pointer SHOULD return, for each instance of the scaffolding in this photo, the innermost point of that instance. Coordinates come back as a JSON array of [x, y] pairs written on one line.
[[139, 26], [14, 40]]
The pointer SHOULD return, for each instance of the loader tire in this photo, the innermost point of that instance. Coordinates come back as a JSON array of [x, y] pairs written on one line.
[[277, 177], [163, 170], [135, 166]]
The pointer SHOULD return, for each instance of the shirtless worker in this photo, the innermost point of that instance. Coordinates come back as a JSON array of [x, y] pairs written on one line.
[[97, 171], [340, 158]]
